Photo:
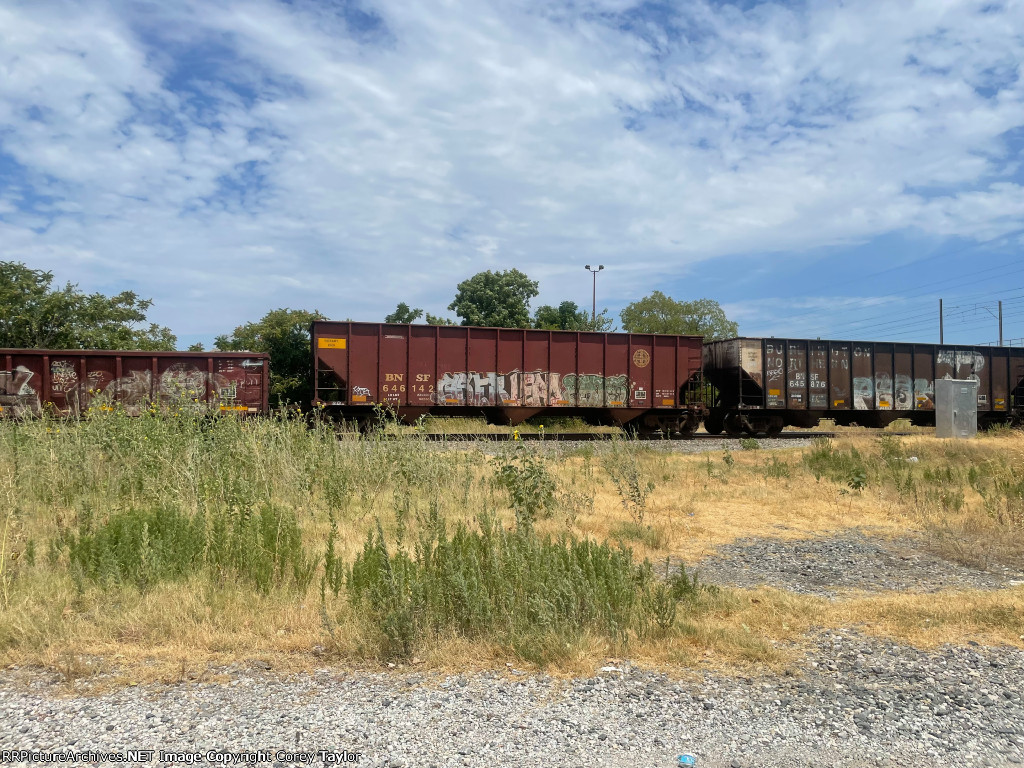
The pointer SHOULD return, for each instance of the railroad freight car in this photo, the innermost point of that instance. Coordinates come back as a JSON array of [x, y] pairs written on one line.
[[639, 381], [765, 384], [68, 382]]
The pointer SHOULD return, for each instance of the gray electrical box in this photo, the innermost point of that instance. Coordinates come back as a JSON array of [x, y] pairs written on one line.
[[956, 408]]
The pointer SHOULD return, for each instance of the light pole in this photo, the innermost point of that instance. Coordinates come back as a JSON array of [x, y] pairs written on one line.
[[593, 298]]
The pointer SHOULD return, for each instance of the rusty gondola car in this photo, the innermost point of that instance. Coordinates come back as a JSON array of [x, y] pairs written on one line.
[[638, 381], [764, 385], [68, 382]]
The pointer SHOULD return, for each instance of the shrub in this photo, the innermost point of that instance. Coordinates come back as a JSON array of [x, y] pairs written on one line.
[[506, 585], [846, 467]]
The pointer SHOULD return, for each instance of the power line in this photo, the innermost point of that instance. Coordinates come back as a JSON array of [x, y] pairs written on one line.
[[925, 285], [899, 319]]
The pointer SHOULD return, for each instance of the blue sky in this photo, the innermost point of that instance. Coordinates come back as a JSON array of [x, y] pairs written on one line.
[[820, 169]]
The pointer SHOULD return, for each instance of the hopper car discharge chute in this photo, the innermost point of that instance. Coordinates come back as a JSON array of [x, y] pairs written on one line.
[[644, 382], [764, 385]]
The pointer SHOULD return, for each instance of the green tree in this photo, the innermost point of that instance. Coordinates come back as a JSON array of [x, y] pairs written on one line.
[[659, 313], [35, 315], [284, 335], [498, 299], [567, 316], [438, 320], [404, 314]]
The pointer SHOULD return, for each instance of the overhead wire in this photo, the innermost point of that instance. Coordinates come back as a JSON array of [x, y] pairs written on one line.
[[900, 295], [913, 314]]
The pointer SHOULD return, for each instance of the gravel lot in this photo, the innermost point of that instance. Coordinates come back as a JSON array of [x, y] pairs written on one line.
[[850, 560], [856, 702]]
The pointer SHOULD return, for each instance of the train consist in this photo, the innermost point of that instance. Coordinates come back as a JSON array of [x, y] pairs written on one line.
[[69, 382], [764, 385], [646, 383]]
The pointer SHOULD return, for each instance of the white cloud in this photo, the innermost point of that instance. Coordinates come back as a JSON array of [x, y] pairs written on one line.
[[229, 158]]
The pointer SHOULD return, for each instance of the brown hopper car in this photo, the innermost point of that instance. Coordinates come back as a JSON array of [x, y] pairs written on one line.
[[765, 384], [68, 382], [641, 381]]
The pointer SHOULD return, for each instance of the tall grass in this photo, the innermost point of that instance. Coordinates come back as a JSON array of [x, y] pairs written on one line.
[[408, 543], [968, 496]]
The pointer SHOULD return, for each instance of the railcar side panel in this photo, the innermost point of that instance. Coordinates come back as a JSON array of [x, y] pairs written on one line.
[[590, 379], [839, 375], [775, 373], [883, 379], [71, 382], [641, 381], [1017, 378], [903, 377], [562, 369], [508, 374], [817, 376], [616, 371], [422, 365], [1000, 378], [796, 375], [870, 383]]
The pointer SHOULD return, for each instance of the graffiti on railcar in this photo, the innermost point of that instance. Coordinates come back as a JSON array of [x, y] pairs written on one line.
[[924, 394], [531, 389], [966, 364], [63, 376], [883, 392], [863, 393], [471, 389], [17, 396], [595, 390], [904, 389]]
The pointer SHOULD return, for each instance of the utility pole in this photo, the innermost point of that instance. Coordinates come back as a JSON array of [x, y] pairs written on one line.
[[940, 321], [593, 297], [1000, 323]]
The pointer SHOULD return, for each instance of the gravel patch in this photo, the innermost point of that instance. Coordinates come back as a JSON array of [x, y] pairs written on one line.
[[855, 702], [556, 448], [850, 560]]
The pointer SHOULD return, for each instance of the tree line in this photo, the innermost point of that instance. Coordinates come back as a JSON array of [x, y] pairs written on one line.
[[36, 314]]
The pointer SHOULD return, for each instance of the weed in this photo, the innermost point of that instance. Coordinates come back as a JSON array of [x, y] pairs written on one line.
[[631, 481], [858, 480], [847, 467], [749, 444], [775, 469], [653, 537], [576, 503], [530, 486], [146, 546], [891, 449]]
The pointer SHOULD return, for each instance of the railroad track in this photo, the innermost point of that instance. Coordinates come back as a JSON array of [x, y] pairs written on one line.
[[500, 437]]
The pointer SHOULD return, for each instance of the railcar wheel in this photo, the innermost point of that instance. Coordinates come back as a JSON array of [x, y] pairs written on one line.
[[733, 425]]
